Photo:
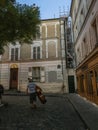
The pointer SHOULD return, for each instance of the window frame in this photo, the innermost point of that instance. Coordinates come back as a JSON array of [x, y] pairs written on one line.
[[16, 49], [36, 44], [36, 53], [36, 74]]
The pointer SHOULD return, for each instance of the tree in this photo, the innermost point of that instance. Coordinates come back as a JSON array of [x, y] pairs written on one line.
[[17, 22]]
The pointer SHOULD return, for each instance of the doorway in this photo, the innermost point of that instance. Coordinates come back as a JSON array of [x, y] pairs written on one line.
[[71, 84], [13, 78]]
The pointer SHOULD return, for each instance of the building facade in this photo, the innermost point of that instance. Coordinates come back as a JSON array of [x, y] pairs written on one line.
[[84, 14], [40, 60]]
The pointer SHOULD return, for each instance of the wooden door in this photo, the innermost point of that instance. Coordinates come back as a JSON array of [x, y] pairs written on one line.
[[71, 84], [13, 78]]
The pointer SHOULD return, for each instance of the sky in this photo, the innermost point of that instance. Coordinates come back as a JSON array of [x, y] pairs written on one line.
[[49, 8]]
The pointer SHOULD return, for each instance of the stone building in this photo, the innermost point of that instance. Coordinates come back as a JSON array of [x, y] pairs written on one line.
[[40, 60], [84, 15]]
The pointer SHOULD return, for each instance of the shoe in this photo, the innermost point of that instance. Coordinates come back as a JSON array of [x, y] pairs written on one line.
[[34, 106]]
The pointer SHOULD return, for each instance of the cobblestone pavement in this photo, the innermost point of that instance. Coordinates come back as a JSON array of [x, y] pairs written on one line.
[[56, 114]]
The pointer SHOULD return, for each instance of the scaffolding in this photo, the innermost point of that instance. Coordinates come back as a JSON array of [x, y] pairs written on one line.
[[69, 48], [62, 18], [66, 45]]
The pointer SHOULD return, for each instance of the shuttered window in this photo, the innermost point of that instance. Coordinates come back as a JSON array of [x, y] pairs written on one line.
[[36, 73]]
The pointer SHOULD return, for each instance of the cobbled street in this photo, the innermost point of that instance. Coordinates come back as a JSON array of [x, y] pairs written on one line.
[[56, 114]]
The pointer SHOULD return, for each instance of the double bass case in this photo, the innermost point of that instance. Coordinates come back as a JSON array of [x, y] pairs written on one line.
[[41, 97]]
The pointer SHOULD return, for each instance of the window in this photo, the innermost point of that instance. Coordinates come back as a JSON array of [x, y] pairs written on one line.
[[95, 31], [52, 50], [36, 73], [78, 53], [82, 16], [14, 54], [14, 51], [36, 52], [37, 36], [84, 47]]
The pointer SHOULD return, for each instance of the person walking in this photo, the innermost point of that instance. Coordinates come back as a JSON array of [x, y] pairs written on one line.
[[31, 90]]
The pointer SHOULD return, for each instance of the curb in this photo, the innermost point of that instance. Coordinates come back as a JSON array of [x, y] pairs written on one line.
[[79, 114]]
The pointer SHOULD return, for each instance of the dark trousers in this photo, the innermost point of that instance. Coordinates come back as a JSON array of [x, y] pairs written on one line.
[[32, 97]]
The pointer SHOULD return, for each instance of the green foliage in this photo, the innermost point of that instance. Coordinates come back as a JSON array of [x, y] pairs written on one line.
[[17, 22]]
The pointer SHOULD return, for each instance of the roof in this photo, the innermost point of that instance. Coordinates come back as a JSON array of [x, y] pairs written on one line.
[[71, 7]]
